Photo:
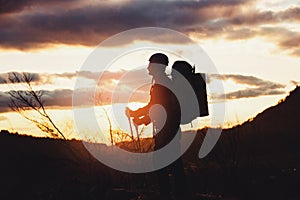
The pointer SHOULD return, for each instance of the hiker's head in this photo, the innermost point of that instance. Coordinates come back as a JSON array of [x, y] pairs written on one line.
[[159, 58], [157, 64]]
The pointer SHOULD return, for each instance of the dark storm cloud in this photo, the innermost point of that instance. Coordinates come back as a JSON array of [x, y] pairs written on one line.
[[44, 23], [12, 6], [9, 6], [89, 25], [255, 86]]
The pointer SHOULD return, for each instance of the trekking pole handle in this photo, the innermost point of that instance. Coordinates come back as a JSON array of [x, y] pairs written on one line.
[[127, 112]]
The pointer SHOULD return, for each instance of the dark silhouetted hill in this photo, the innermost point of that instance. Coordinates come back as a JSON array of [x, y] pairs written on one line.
[[272, 135]]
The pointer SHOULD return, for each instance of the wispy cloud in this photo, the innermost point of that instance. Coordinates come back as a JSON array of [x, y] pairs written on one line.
[[4, 102], [296, 83], [4, 77], [255, 87], [118, 85], [253, 92], [102, 79], [108, 84], [3, 118]]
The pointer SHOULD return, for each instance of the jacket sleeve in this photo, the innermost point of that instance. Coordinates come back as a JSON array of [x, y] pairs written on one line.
[[158, 95], [144, 111]]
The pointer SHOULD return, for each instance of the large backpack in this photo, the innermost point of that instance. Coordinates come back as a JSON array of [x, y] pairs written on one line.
[[198, 85]]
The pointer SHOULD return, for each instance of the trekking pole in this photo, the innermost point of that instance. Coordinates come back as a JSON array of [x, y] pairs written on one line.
[[129, 121], [153, 130], [131, 131], [138, 135]]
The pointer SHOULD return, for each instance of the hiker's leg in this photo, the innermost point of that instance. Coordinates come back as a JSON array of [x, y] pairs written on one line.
[[180, 184], [163, 182], [164, 186]]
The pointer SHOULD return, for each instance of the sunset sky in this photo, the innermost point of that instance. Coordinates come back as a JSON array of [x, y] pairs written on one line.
[[255, 46]]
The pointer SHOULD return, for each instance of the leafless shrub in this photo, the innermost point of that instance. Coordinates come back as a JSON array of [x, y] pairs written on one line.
[[23, 101]]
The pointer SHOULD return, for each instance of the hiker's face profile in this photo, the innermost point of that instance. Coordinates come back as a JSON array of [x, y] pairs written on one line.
[[155, 69]]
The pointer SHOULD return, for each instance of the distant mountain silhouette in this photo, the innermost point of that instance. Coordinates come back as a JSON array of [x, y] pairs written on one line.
[[258, 159]]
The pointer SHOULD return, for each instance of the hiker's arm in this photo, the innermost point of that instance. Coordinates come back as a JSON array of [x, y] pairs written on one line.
[[144, 111], [141, 112], [157, 93]]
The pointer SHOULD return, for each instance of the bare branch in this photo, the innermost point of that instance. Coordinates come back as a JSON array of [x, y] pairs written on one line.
[[30, 99], [99, 99]]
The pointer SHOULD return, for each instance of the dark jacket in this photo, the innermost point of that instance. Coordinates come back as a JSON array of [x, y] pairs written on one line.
[[164, 97]]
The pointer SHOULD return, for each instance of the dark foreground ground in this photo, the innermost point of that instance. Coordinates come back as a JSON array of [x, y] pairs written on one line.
[[34, 168], [256, 160]]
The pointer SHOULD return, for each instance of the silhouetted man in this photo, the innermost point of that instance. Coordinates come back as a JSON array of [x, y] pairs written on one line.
[[163, 110]]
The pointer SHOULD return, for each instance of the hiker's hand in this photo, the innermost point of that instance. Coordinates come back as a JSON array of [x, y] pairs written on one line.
[[137, 121], [143, 120], [127, 112]]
